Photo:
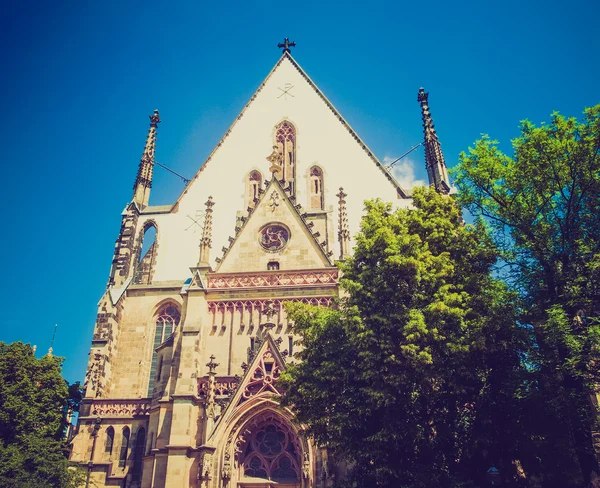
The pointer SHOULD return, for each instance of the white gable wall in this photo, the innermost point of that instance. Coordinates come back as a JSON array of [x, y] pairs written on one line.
[[246, 253], [321, 139]]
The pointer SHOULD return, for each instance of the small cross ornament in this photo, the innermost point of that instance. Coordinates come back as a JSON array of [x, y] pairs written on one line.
[[286, 44], [212, 365]]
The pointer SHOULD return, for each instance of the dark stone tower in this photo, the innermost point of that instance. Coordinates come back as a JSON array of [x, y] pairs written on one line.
[[434, 158]]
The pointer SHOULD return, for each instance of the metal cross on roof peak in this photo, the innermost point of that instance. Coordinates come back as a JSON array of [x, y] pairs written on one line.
[[286, 44]]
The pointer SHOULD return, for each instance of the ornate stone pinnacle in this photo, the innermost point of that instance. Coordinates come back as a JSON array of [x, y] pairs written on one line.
[[434, 158], [343, 230], [269, 312], [206, 240], [143, 181], [212, 365], [275, 158], [154, 119]]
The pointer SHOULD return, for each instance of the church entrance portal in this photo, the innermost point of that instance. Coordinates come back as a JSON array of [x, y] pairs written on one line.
[[270, 455]]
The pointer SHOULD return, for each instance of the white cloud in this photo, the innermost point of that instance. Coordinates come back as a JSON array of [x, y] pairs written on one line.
[[404, 172]]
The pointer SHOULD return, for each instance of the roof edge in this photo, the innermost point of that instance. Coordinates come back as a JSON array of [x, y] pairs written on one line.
[[402, 193], [222, 140]]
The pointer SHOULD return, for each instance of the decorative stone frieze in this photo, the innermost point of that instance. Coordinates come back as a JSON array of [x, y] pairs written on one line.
[[259, 304], [287, 278], [120, 408]]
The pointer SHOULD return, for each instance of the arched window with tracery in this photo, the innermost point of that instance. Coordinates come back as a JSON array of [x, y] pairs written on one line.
[[167, 319], [110, 440], [124, 447], [146, 255], [317, 201], [272, 451], [254, 183], [285, 141]]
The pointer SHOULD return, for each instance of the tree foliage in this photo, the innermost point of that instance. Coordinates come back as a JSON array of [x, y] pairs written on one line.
[[543, 208], [412, 378], [33, 395]]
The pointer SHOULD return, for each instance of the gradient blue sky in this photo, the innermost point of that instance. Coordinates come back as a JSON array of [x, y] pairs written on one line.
[[79, 80]]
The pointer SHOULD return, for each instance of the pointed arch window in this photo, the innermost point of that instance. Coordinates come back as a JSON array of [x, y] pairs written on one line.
[[255, 180], [147, 246], [124, 447], [110, 440], [316, 188], [272, 452], [285, 141], [140, 440], [167, 319]]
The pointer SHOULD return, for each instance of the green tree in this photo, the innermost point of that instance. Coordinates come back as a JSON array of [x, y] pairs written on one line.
[[413, 378], [542, 206], [32, 398]]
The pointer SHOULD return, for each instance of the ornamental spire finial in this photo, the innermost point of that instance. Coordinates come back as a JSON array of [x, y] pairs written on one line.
[[206, 240], [212, 366], [276, 160], [434, 158], [343, 230], [286, 44], [143, 181], [211, 394]]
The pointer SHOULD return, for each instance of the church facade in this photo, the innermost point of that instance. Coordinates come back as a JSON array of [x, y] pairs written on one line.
[[191, 334]]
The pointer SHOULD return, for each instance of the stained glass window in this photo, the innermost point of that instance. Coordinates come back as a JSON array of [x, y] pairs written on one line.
[[270, 452], [316, 188], [285, 141], [124, 447], [167, 319], [110, 439], [254, 182], [274, 237]]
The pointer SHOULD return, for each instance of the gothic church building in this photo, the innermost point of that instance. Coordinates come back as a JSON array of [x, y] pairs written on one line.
[[191, 334]]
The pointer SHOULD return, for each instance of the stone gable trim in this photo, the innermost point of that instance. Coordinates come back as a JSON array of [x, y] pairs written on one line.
[[296, 208], [211, 155], [402, 194], [238, 399]]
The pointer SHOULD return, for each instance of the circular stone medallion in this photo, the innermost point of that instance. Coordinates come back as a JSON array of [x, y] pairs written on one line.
[[274, 237]]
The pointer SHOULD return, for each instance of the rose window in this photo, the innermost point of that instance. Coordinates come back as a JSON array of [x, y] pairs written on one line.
[[271, 453], [274, 237]]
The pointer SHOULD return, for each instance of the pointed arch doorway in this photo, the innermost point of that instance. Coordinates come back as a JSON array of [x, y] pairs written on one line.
[[269, 454]]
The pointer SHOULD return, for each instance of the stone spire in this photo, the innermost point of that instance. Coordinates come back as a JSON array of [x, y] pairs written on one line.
[[51, 348], [434, 159], [343, 231], [206, 240], [143, 182]]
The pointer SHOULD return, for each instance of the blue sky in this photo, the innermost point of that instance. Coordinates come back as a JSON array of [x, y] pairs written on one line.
[[80, 79]]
